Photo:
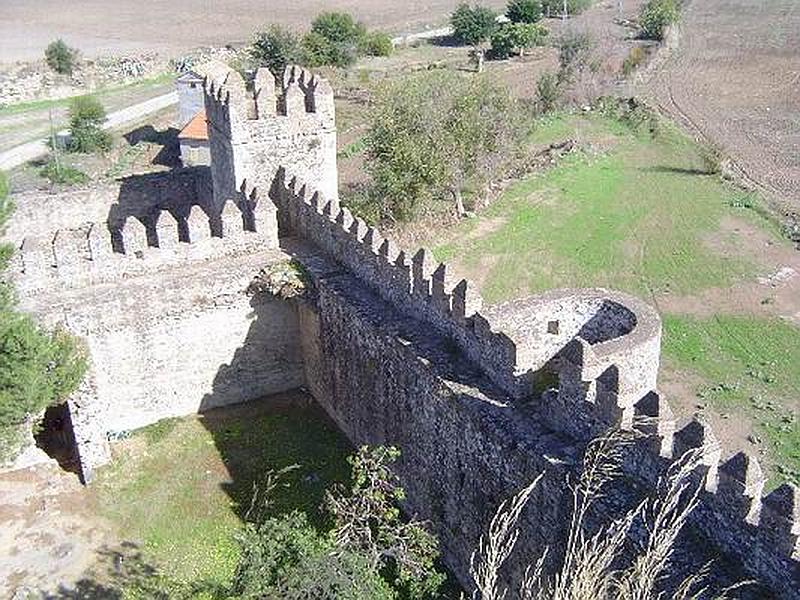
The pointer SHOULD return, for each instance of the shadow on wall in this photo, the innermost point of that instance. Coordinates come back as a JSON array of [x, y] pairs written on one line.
[[169, 155], [143, 197], [270, 422]]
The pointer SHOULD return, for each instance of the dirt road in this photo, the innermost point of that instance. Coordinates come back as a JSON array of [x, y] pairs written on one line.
[[735, 79], [116, 26], [25, 152]]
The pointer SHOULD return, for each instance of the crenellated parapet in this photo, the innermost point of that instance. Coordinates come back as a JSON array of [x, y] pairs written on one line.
[[96, 252], [512, 343], [253, 130], [587, 358]]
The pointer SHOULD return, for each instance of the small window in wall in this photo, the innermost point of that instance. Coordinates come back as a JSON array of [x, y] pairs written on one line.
[[552, 327], [193, 85]]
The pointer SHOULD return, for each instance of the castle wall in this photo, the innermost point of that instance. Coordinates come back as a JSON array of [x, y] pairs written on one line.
[[40, 213], [166, 367], [467, 446], [172, 343]]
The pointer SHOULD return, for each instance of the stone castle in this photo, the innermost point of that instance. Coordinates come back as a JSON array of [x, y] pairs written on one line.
[[397, 350]]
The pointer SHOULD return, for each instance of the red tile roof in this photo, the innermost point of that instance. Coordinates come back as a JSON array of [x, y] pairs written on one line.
[[196, 129]]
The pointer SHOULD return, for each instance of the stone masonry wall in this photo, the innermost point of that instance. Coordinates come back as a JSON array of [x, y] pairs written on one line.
[[466, 445], [252, 134], [171, 343]]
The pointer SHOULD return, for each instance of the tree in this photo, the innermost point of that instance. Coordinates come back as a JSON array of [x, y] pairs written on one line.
[[37, 368], [339, 27], [565, 8], [574, 53], [524, 11], [655, 16], [275, 48], [517, 37], [335, 39], [86, 117], [371, 553], [60, 57], [474, 25], [436, 134]]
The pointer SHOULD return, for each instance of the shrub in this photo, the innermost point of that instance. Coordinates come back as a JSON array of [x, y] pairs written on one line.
[[574, 54], [370, 553], [275, 48], [339, 27], [438, 134], [317, 51], [631, 112], [548, 93], [60, 57], [655, 16], [378, 44], [473, 25], [517, 37], [555, 8], [635, 57], [86, 117], [713, 157], [56, 172], [524, 11], [37, 368]]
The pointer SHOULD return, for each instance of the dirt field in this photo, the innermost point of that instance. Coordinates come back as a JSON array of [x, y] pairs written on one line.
[[104, 27], [735, 78]]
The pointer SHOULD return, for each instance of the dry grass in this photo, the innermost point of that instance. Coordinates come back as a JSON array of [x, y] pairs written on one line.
[[588, 569]]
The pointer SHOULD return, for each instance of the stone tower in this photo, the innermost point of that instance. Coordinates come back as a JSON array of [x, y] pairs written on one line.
[[252, 133]]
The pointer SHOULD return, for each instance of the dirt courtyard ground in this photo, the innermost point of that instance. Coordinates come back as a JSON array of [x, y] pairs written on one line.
[[735, 78], [171, 26]]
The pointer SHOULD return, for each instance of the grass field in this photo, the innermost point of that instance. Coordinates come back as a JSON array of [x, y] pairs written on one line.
[[179, 489], [640, 214]]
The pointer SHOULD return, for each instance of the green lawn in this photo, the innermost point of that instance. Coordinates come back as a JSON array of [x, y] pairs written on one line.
[[639, 213], [633, 217], [751, 367], [179, 489]]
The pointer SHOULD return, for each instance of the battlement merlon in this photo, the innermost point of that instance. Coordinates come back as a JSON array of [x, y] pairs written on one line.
[[252, 132]]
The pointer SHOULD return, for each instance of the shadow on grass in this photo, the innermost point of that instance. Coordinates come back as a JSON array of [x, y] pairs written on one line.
[[286, 433], [674, 170]]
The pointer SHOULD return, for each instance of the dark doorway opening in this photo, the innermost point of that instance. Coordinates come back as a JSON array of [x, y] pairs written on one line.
[[56, 438]]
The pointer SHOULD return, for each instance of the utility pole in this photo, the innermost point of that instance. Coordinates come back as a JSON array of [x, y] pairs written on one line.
[[54, 144]]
